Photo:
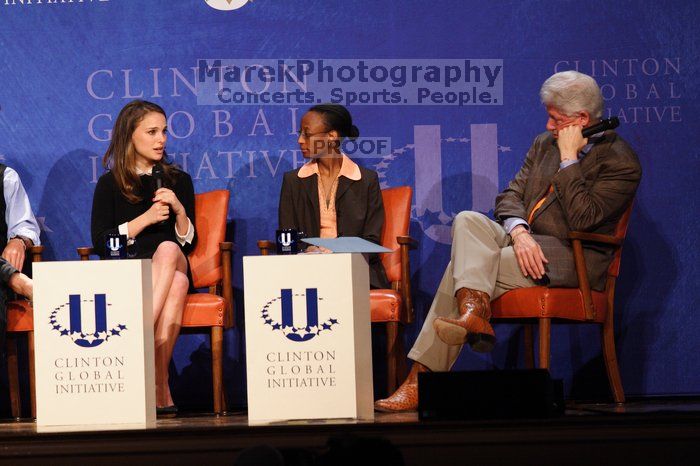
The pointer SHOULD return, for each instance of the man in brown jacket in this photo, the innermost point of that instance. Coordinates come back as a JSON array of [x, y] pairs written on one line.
[[566, 183]]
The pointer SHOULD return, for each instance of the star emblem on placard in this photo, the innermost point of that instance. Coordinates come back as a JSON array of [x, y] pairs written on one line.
[[292, 332], [61, 319]]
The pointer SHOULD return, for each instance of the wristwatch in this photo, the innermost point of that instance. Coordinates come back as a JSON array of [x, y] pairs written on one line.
[[27, 242]]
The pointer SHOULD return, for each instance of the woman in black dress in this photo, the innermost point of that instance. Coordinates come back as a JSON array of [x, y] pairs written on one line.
[[158, 221]]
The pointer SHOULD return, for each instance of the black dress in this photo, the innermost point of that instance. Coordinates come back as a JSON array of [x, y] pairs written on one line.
[[110, 209]]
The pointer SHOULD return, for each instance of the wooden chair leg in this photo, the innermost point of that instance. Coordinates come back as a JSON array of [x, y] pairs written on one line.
[[392, 331], [401, 359], [217, 339], [529, 343], [545, 328], [224, 404], [32, 376], [610, 357], [13, 376]]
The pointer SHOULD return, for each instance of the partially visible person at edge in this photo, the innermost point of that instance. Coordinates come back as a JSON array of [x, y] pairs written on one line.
[[158, 222], [330, 195], [19, 231], [567, 182]]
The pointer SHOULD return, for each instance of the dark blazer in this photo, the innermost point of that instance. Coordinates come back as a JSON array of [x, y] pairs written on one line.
[[588, 196], [359, 211], [110, 209]]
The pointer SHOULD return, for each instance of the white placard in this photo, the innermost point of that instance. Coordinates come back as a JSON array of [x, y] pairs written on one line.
[[308, 337], [93, 325]]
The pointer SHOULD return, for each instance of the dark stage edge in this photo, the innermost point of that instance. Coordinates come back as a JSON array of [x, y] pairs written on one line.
[[641, 432]]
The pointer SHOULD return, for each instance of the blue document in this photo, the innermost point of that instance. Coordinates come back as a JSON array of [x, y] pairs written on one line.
[[346, 244]]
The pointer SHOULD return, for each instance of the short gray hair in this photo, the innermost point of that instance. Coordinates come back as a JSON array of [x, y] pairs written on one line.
[[571, 92]]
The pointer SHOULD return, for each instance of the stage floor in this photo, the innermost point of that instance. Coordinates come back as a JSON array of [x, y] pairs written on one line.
[[640, 432]]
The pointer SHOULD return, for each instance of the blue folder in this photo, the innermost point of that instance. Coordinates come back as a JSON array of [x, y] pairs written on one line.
[[347, 244]]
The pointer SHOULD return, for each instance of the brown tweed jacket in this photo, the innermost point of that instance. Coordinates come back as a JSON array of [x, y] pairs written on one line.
[[588, 196]]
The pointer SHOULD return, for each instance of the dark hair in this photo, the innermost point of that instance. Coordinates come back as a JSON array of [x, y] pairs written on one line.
[[337, 118], [120, 155]]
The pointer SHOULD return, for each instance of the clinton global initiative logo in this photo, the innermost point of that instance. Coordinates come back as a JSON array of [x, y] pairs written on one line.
[[278, 313], [226, 5], [472, 156], [83, 328]]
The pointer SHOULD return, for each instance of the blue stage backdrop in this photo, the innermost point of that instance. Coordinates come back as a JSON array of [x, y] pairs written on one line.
[[445, 91]]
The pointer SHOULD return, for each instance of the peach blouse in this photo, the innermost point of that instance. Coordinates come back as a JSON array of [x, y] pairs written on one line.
[[348, 169]]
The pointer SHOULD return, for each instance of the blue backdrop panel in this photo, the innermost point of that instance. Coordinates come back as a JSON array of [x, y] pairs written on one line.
[[68, 67]]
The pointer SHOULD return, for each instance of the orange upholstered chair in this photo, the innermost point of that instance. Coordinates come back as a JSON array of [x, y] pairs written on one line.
[[570, 305], [395, 306], [210, 264], [392, 306], [20, 320]]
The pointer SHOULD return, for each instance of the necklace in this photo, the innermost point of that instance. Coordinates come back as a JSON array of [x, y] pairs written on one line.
[[327, 194]]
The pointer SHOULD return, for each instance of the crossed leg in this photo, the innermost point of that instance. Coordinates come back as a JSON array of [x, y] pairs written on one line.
[[170, 285]]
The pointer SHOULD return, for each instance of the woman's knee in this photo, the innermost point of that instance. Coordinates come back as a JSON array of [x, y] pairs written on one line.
[[167, 251], [181, 284]]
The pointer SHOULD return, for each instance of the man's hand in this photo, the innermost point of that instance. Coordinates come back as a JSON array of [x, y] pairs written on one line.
[[570, 142], [21, 284], [529, 254], [14, 252]]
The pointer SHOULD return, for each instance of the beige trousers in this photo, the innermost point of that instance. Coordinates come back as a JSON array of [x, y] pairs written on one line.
[[482, 259]]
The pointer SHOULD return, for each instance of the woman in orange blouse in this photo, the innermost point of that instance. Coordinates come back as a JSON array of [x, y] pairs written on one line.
[[330, 195]]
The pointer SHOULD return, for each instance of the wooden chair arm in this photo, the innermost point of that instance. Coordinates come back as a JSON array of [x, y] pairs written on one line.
[[408, 241], [35, 252], [266, 247], [85, 252], [583, 283], [595, 237]]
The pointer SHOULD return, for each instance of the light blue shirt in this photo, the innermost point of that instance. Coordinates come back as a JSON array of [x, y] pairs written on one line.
[[18, 212]]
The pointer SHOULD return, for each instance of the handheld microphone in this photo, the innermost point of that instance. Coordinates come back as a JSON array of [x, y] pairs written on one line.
[[610, 123], [157, 174]]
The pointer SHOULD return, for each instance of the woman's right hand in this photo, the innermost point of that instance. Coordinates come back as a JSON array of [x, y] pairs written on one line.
[[317, 250], [159, 212]]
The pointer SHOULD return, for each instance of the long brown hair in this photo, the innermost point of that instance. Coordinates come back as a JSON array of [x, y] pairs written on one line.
[[120, 157]]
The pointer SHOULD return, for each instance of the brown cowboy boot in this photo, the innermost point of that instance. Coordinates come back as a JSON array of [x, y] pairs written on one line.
[[405, 398], [473, 324]]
